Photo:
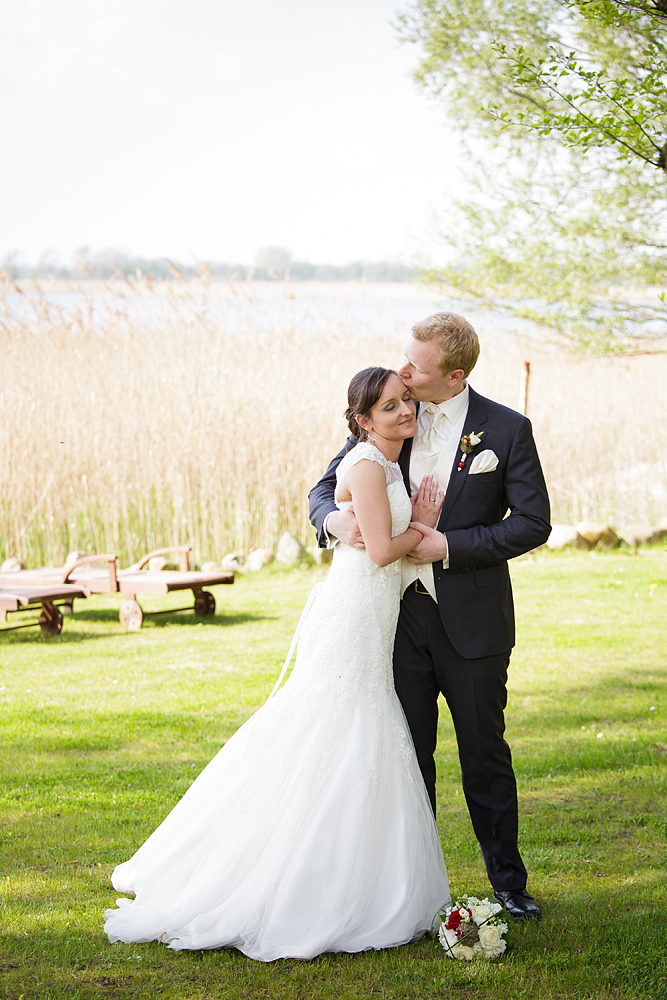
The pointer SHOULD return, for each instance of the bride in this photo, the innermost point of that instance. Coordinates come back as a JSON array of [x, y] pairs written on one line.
[[311, 830]]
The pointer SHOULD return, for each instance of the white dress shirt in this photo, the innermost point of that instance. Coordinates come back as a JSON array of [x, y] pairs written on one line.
[[434, 448]]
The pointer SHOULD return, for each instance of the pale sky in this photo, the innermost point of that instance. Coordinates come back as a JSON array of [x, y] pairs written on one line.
[[209, 128]]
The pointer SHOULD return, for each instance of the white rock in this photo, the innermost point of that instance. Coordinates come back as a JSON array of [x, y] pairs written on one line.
[[565, 536], [74, 556], [211, 567], [320, 556], [641, 534], [290, 549], [233, 562], [159, 563], [11, 565], [258, 560], [597, 534]]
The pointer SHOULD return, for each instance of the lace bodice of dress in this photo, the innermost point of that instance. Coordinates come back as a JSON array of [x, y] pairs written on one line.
[[399, 501]]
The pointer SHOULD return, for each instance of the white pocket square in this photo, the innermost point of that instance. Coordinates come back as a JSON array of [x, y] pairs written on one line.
[[485, 461]]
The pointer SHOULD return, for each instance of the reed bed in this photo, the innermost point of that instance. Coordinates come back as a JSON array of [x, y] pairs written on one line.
[[143, 414]]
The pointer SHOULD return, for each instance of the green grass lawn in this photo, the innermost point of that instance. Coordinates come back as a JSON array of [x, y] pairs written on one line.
[[102, 732]]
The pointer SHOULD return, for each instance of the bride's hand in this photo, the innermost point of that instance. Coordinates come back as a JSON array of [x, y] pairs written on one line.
[[427, 502]]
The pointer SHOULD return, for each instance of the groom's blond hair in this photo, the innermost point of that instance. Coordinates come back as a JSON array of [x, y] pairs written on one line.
[[459, 344]]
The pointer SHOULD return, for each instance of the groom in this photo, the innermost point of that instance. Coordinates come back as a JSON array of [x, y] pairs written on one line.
[[456, 625]]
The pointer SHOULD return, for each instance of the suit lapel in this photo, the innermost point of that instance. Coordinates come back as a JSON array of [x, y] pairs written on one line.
[[475, 419]]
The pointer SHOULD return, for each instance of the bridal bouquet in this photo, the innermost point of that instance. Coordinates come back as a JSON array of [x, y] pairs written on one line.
[[471, 929]]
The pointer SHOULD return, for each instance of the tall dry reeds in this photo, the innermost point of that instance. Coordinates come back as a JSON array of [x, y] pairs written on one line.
[[165, 414]]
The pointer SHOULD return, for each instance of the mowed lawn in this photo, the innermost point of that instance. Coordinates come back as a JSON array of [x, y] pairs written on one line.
[[102, 732]]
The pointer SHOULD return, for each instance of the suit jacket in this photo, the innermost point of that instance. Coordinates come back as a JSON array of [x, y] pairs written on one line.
[[475, 593]]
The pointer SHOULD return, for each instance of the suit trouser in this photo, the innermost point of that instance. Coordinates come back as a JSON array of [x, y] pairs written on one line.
[[426, 663]]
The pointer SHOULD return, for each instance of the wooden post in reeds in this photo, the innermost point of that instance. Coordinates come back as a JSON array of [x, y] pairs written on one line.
[[525, 378]]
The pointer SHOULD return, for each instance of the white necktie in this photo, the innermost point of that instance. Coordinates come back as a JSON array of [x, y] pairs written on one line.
[[437, 429]]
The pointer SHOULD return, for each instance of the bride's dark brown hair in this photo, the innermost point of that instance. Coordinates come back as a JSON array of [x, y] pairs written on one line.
[[363, 393]]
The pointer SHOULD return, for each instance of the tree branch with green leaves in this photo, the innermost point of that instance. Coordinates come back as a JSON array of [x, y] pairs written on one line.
[[568, 227]]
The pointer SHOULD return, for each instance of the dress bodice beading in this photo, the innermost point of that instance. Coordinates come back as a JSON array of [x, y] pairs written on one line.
[[399, 504]]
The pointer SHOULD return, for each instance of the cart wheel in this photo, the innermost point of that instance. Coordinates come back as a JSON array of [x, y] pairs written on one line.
[[204, 603], [131, 616], [50, 620]]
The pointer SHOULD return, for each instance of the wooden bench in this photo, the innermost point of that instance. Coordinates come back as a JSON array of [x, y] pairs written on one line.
[[130, 583], [25, 598]]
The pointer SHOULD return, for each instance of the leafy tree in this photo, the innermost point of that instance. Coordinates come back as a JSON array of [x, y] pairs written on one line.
[[273, 260], [571, 210]]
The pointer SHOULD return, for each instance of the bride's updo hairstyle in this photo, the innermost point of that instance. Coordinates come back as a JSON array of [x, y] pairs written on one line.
[[363, 393]]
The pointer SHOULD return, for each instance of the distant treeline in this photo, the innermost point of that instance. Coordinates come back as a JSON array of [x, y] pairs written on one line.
[[102, 267]]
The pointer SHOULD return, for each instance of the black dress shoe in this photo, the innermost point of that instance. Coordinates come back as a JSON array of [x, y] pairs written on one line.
[[519, 904]]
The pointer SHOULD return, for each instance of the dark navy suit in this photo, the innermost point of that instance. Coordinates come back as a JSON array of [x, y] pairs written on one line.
[[461, 646]]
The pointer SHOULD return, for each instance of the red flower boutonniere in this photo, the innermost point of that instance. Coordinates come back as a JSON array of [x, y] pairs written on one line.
[[468, 442]]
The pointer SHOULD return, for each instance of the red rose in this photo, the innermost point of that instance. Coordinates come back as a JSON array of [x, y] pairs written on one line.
[[453, 920]]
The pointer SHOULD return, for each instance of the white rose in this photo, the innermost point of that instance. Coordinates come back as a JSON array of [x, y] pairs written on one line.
[[495, 952], [474, 439], [463, 952], [481, 912], [491, 941], [489, 936]]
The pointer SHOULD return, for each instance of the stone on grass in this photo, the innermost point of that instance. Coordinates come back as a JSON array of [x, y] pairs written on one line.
[[290, 549], [233, 562], [258, 560], [565, 536], [11, 565], [158, 563], [641, 534], [636, 534], [74, 556], [320, 556], [598, 534]]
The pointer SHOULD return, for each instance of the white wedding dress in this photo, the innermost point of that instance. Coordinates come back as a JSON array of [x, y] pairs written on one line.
[[311, 830]]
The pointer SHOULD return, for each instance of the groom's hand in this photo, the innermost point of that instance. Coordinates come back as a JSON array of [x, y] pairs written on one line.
[[342, 524], [432, 547]]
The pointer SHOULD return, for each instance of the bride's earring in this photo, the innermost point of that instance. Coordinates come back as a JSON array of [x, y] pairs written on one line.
[[366, 432]]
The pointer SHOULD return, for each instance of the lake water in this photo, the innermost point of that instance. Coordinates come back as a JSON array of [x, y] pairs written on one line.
[[366, 308]]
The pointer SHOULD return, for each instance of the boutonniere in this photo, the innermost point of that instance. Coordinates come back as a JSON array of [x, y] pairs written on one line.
[[468, 442]]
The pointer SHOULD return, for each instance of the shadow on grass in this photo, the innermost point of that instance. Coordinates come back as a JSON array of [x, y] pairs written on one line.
[[567, 954], [70, 635], [54, 730]]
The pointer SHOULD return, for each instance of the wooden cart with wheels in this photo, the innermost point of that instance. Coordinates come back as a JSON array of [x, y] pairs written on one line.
[[131, 583], [21, 599], [136, 581]]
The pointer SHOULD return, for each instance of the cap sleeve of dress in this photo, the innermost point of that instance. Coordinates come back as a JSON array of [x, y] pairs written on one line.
[[360, 451]]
